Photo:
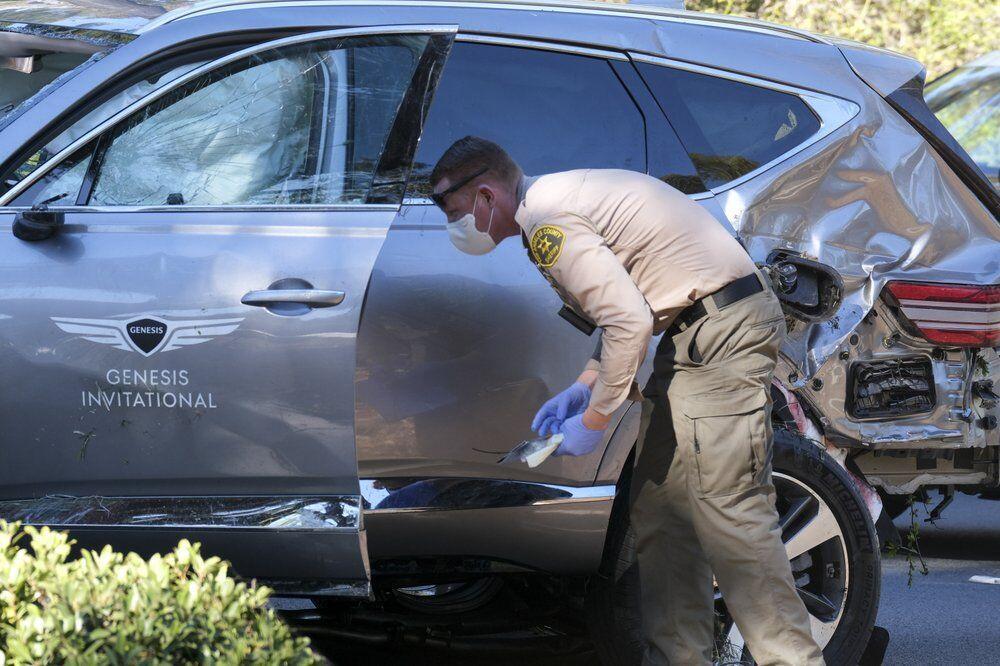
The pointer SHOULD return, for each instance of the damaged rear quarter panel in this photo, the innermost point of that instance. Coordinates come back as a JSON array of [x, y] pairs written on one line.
[[875, 202]]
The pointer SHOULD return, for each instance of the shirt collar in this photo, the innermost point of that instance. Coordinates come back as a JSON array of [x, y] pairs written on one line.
[[522, 187]]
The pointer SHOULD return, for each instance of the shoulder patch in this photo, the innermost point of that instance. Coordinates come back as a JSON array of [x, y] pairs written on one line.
[[546, 245]]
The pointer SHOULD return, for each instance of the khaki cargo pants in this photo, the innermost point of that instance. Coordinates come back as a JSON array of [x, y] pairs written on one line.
[[702, 501]]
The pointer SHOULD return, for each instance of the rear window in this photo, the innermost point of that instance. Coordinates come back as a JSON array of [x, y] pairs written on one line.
[[22, 77], [729, 128]]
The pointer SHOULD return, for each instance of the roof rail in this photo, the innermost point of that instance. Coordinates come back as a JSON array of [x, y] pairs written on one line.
[[664, 10]]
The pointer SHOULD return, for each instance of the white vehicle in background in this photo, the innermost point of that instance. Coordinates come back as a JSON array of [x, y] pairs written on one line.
[[967, 101]]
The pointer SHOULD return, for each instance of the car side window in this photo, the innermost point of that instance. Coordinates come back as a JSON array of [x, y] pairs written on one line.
[[729, 127], [551, 111], [60, 186], [302, 124]]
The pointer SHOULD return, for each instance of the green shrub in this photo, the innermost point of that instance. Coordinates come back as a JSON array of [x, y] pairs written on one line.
[[110, 608], [939, 33]]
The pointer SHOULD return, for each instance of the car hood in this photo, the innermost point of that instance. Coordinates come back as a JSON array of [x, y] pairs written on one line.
[[127, 16]]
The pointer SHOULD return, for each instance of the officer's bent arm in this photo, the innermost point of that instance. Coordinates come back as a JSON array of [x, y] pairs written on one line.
[[590, 272]]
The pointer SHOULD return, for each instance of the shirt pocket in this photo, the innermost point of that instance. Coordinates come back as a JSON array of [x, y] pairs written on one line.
[[730, 440]]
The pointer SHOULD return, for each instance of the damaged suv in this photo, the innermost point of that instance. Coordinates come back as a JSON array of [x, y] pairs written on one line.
[[229, 312]]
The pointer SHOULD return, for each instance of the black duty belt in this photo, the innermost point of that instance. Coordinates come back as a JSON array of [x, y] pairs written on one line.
[[736, 290]]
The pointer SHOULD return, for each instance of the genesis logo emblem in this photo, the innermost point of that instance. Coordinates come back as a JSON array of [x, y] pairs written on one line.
[[147, 334]]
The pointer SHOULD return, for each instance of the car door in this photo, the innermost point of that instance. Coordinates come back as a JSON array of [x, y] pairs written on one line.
[[457, 352], [179, 356]]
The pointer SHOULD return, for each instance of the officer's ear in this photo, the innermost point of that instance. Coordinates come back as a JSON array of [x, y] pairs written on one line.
[[487, 194]]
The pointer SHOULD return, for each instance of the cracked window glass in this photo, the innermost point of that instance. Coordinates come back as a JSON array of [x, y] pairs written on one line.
[[84, 124], [297, 125], [22, 77], [61, 186]]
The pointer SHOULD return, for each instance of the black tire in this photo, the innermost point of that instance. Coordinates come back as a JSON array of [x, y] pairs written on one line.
[[612, 601]]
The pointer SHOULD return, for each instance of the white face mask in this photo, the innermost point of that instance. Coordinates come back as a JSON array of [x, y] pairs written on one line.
[[467, 238]]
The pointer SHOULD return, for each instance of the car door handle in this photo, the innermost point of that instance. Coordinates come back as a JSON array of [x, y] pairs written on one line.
[[315, 298]]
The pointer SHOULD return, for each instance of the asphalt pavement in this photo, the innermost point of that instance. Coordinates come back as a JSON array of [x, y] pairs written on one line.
[[943, 617]]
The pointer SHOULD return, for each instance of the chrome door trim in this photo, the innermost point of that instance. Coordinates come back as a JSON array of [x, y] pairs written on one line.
[[554, 6], [229, 208], [424, 201], [475, 494], [541, 46], [143, 102], [833, 112], [311, 513]]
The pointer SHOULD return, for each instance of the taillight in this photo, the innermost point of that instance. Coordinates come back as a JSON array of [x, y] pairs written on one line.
[[958, 315]]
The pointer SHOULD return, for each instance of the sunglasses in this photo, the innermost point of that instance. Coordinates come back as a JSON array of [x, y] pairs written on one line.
[[440, 197]]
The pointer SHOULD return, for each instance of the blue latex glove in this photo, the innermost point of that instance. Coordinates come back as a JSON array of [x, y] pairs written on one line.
[[557, 409], [579, 439]]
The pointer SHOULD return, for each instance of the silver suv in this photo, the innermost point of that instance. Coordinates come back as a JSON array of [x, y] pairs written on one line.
[[229, 313]]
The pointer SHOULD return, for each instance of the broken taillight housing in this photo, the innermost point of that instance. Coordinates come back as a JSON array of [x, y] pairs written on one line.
[[890, 388], [955, 315]]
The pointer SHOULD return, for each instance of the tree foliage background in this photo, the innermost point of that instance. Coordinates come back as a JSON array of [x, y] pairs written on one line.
[[939, 33]]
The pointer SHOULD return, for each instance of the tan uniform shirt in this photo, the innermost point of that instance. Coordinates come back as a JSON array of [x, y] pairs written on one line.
[[629, 252]]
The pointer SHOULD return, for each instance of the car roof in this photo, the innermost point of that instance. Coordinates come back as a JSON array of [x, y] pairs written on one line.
[[127, 16]]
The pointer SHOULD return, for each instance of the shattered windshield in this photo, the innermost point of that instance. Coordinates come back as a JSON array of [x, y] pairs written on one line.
[[35, 58], [22, 77], [93, 118]]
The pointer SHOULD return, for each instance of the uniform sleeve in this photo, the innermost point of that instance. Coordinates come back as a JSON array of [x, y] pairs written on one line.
[[594, 363], [586, 268]]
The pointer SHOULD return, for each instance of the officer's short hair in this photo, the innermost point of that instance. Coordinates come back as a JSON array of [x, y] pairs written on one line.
[[471, 154]]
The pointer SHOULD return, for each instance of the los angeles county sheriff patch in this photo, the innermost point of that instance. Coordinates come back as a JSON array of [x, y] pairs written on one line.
[[546, 245]]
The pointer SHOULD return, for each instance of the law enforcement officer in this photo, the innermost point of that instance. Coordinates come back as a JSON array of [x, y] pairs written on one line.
[[635, 257]]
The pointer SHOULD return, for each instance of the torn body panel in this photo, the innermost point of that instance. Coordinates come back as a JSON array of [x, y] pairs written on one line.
[[905, 472], [875, 203]]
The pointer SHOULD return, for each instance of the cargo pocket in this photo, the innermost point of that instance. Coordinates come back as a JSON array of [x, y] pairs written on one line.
[[767, 323], [730, 440]]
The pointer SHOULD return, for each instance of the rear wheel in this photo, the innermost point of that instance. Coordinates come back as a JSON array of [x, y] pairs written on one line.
[[832, 547]]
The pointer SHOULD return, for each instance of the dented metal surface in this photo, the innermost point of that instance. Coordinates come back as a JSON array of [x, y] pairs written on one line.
[[271, 513], [875, 203], [905, 472], [883, 70]]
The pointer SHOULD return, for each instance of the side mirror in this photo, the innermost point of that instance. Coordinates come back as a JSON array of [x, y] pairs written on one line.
[[38, 224]]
